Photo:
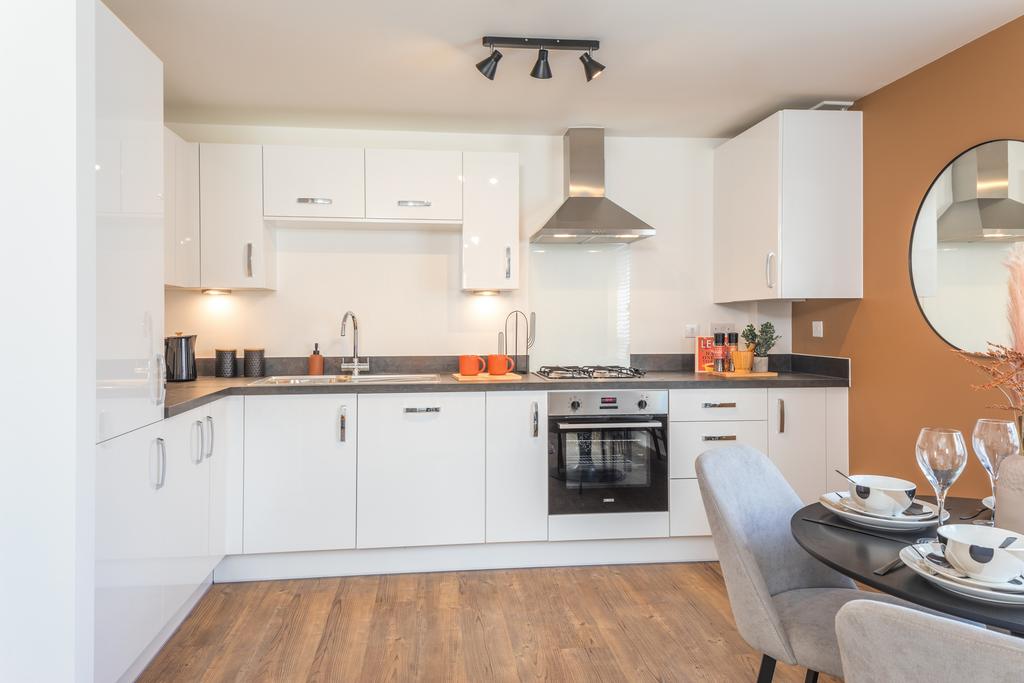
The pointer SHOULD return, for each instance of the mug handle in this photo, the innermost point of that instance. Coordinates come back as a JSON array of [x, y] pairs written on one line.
[[483, 364], [511, 363]]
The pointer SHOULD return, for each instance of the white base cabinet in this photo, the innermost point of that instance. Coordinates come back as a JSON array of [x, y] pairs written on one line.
[[517, 466], [421, 469], [300, 473], [798, 438]]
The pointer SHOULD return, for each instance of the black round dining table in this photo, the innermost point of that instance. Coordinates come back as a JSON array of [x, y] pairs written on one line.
[[851, 551]]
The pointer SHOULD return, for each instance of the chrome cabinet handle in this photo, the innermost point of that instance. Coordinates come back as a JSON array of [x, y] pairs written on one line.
[[314, 200], [768, 259], [342, 424], [731, 404], [722, 437], [248, 259], [535, 420], [209, 422], [430, 409], [782, 416], [161, 463], [414, 202], [201, 444], [157, 376], [508, 263]]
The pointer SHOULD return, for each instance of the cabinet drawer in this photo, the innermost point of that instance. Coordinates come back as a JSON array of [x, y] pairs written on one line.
[[312, 182], [686, 509], [687, 440], [713, 405], [413, 185]]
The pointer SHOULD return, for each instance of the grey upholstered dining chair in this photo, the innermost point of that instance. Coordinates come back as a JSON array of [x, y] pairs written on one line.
[[783, 600], [891, 643]]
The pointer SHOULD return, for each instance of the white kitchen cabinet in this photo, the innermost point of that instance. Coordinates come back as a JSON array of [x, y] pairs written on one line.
[[222, 451], [130, 513], [414, 185], [421, 469], [686, 509], [312, 182], [237, 248], [713, 405], [517, 466], [687, 440], [300, 473], [490, 221], [788, 196], [129, 231], [181, 211], [798, 438]]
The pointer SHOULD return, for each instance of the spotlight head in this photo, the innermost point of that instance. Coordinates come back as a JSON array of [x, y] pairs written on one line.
[[541, 69], [488, 67], [591, 67]]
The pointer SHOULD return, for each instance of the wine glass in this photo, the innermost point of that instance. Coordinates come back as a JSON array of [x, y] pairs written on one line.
[[994, 441], [941, 455]]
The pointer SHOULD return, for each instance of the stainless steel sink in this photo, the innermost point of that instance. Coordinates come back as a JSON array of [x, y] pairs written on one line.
[[321, 380]]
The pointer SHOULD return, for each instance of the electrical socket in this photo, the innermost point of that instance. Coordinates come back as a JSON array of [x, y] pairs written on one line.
[[724, 328], [691, 331], [818, 328]]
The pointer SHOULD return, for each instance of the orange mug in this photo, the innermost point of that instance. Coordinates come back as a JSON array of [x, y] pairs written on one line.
[[471, 365], [499, 365]]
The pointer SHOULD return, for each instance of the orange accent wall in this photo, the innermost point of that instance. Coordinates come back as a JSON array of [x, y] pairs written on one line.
[[904, 376]]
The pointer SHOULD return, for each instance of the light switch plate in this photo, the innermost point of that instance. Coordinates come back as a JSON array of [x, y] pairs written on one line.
[[818, 328], [691, 331]]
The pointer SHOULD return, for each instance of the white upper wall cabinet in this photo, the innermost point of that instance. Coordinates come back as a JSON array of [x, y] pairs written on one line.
[[490, 221], [129, 230], [788, 204], [181, 211], [413, 185], [238, 250], [312, 182]]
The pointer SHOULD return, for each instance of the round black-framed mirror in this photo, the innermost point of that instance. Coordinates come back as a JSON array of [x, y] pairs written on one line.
[[968, 221]]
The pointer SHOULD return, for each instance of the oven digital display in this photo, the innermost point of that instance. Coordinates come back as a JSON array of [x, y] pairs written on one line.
[[606, 400]]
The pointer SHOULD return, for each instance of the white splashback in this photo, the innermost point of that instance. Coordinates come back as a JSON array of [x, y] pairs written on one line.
[[404, 285]]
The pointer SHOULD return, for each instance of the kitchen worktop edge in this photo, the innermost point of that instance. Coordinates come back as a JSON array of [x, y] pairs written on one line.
[[184, 396]]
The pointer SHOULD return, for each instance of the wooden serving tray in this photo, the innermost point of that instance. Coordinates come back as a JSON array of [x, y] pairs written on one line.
[[744, 375], [484, 377]]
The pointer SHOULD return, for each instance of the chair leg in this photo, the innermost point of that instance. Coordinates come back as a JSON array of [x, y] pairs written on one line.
[[811, 677], [767, 672]]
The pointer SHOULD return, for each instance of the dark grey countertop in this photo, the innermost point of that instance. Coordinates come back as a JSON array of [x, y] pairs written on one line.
[[184, 396]]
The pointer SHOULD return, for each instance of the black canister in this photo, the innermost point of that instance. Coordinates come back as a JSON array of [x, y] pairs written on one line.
[[255, 363], [225, 363], [180, 353]]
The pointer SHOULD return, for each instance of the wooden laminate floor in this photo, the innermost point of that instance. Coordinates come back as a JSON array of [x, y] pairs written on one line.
[[667, 622]]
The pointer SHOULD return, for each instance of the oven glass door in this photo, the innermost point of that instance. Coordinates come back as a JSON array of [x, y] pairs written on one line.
[[607, 465]]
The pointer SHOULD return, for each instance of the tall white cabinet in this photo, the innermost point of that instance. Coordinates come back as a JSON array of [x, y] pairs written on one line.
[[788, 209], [490, 221], [129, 230]]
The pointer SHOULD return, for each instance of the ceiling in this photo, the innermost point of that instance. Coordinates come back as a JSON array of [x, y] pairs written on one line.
[[703, 68]]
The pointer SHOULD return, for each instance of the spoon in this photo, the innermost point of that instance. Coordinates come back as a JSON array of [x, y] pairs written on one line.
[[846, 477]]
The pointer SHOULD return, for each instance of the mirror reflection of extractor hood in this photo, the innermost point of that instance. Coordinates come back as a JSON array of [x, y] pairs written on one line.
[[587, 216]]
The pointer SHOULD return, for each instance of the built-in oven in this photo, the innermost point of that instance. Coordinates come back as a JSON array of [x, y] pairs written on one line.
[[607, 451]]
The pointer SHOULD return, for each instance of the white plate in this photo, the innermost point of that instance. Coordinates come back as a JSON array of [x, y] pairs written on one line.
[[926, 516], [955, 575], [927, 571], [832, 503], [989, 502]]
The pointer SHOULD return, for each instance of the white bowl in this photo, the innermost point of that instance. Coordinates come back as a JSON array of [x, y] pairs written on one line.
[[985, 553], [881, 495]]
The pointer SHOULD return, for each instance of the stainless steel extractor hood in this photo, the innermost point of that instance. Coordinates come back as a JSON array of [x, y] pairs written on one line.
[[979, 195], [587, 216]]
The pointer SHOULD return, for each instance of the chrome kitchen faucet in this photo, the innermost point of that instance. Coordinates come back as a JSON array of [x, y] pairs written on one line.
[[355, 366]]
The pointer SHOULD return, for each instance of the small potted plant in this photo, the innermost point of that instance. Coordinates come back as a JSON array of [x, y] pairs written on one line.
[[760, 341]]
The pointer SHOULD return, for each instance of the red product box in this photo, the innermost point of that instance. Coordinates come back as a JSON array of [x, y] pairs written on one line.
[[704, 354]]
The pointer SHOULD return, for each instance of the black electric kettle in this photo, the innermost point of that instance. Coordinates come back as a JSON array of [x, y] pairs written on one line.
[[180, 352]]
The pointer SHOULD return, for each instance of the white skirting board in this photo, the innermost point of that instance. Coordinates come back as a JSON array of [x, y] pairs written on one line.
[[143, 660], [305, 565]]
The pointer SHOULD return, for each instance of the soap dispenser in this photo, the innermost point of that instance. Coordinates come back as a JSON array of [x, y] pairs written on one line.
[[316, 361]]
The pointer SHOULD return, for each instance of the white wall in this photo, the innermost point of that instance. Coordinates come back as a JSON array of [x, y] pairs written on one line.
[[47, 294], [404, 285]]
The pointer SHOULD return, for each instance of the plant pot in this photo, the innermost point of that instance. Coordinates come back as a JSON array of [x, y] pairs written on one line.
[[760, 363], [742, 361]]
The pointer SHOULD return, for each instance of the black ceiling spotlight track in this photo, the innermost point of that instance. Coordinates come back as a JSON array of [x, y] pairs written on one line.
[[541, 69]]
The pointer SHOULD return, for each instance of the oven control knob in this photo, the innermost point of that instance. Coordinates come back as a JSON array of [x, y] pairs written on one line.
[[574, 404], [642, 404]]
